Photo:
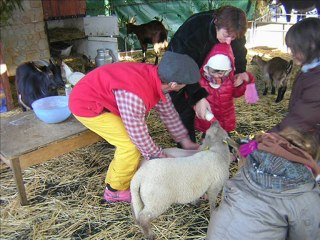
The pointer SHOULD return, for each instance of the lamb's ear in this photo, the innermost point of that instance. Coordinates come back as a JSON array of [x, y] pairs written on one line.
[[232, 143], [235, 150]]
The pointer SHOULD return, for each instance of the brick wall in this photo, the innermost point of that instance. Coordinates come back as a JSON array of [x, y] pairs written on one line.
[[24, 37]]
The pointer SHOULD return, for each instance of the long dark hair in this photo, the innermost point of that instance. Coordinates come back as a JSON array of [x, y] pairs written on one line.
[[304, 38]]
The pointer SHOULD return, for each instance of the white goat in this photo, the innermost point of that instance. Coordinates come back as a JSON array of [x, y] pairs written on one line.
[[275, 73], [159, 183]]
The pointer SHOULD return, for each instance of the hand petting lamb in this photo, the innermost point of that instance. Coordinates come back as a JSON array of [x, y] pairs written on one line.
[[159, 183]]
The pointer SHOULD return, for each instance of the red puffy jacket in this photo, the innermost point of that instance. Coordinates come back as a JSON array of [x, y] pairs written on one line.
[[221, 99]]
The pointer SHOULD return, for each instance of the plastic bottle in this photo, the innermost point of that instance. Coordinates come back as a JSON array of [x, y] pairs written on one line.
[[209, 116], [67, 89]]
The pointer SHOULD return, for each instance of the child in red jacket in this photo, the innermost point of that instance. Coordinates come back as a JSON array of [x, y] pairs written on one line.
[[217, 77]]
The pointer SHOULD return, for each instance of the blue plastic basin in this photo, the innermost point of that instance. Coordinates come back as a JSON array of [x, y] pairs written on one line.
[[52, 109]]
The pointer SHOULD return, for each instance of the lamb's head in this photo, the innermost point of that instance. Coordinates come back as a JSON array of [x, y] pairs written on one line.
[[215, 135]]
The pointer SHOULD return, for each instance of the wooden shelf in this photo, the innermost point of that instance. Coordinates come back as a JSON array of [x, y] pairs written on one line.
[[65, 34]]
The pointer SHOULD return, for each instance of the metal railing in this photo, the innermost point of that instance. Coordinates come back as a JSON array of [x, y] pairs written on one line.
[[270, 29]]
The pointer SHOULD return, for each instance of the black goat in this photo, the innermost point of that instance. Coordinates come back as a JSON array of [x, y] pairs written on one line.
[[35, 80], [150, 33], [299, 5]]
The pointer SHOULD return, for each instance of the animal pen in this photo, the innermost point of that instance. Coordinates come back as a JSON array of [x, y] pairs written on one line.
[[65, 194]]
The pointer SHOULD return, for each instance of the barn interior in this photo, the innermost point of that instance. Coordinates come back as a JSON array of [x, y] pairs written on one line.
[[65, 193]]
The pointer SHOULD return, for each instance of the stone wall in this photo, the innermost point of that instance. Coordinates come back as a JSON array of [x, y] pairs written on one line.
[[24, 37]]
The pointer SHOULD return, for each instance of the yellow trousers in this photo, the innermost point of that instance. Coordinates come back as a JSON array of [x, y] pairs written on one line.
[[126, 158]]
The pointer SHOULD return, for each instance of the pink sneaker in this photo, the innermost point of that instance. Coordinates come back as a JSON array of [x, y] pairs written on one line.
[[118, 196]]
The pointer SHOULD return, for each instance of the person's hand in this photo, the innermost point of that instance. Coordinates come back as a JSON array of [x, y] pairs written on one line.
[[201, 108], [240, 78], [161, 155], [164, 155], [186, 143]]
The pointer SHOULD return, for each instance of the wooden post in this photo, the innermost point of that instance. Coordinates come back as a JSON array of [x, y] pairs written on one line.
[[17, 174], [5, 81]]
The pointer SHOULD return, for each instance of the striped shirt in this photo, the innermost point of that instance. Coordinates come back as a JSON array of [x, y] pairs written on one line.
[[133, 114]]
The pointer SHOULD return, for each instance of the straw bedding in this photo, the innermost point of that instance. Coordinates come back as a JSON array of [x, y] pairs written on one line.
[[66, 192]]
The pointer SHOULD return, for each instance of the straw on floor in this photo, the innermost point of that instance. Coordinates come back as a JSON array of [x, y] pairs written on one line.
[[66, 193]]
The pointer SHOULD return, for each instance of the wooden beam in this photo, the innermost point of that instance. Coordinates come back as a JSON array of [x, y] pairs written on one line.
[[58, 148], [5, 81]]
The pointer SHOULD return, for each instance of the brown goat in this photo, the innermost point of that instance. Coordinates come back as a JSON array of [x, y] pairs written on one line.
[[150, 33], [275, 74]]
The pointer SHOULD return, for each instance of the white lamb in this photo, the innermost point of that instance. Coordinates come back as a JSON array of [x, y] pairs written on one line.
[[161, 182]]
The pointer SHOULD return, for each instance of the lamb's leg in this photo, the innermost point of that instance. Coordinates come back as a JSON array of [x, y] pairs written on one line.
[[273, 88], [144, 51], [156, 48], [267, 83], [133, 214], [156, 61], [212, 193], [143, 56], [196, 203], [265, 89], [281, 92], [23, 109], [144, 220]]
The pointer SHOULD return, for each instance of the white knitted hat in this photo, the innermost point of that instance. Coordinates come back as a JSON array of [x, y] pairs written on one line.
[[218, 62]]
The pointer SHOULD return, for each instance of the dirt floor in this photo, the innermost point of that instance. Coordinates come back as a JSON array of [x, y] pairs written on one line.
[[66, 192]]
